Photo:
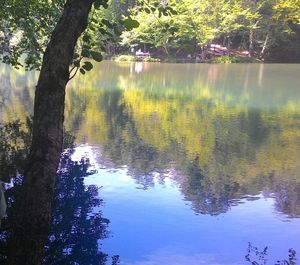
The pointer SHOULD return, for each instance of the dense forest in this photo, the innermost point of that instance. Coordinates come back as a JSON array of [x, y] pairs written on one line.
[[267, 29], [200, 30]]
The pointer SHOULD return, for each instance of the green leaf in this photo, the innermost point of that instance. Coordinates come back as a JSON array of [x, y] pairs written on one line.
[[130, 23], [109, 34], [97, 56], [102, 30], [76, 63], [94, 20], [88, 66], [86, 38], [97, 4], [85, 53], [117, 31], [107, 23], [147, 10], [172, 11]]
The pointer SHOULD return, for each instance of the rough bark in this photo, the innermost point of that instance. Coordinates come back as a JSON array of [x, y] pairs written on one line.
[[27, 243]]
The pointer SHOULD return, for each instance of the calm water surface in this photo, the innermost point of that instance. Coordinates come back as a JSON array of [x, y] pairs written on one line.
[[193, 161]]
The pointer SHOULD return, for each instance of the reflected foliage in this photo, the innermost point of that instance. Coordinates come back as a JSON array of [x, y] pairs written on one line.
[[287, 197], [15, 140], [77, 223], [255, 256], [222, 133], [216, 145]]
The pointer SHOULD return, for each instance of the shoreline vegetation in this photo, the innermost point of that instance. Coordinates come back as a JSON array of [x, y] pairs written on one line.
[[226, 59]]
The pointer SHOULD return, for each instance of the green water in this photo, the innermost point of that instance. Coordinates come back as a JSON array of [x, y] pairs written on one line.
[[216, 147]]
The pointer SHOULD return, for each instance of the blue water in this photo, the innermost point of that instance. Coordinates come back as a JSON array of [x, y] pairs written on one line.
[[157, 226]]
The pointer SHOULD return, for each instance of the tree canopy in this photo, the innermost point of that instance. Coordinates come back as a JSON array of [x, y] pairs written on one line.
[[268, 28]]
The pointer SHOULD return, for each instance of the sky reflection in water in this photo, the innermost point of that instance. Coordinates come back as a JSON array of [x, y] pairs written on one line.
[[157, 226]]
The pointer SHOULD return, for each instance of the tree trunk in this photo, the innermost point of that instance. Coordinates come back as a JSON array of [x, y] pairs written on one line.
[[203, 53], [28, 240], [251, 42], [228, 46], [264, 47]]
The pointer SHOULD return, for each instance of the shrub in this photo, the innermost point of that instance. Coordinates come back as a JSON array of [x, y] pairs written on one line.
[[233, 59], [131, 58], [125, 58], [225, 59]]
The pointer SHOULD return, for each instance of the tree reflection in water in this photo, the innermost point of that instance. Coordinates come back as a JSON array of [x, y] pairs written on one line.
[[217, 159], [76, 226], [256, 256]]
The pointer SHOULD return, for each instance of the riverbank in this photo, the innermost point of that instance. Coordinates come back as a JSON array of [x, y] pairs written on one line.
[[220, 59]]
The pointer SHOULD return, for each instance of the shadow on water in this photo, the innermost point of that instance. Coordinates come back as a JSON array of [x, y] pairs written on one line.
[[76, 228]]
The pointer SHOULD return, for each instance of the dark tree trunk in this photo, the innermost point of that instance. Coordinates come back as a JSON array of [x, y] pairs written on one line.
[[27, 243]]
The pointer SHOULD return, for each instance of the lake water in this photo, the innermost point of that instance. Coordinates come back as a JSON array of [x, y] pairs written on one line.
[[193, 161]]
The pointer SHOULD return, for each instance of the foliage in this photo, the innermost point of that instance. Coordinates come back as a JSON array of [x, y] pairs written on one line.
[[225, 59], [258, 257], [131, 58], [270, 29], [74, 236], [288, 11], [15, 138], [148, 59], [27, 28], [233, 59], [256, 26], [125, 58]]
